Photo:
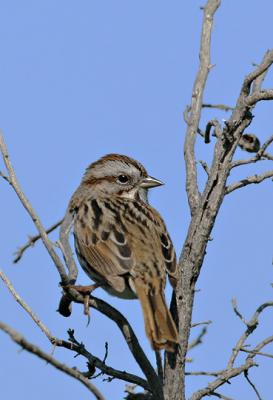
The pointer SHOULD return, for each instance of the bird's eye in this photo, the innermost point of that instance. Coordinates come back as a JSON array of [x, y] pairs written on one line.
[[123, 179]]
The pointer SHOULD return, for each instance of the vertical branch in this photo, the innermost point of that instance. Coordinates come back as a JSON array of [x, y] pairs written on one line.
[[196, 104], [175, 363]]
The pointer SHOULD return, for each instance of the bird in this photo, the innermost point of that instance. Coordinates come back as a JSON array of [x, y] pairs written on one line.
[[122, 242]]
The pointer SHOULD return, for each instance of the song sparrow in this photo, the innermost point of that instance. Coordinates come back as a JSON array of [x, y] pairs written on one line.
[[122, 242]]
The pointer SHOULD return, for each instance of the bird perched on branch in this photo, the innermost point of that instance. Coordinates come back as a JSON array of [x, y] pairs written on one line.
[[249, 142], [122, 242]]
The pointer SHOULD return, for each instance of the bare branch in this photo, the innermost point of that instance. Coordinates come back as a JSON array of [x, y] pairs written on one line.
[[257, 83], [196, 104], [205, 166], [19, 339], [221, 380], [257, 353], [260, 345], [249, 180], [79, 349], [222, 107], [19, 300], [32, 240], [237, 312], [129, 336], [95, 362], [258, 96], [220, 396], [218, 131], [204, 373], [201, 323], [258, 72], [14, 183], [5, 177], [198, 339], [250, 327], [252, 385]]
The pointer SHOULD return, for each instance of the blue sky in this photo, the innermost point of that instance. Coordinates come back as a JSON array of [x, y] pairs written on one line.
[[82, 79]]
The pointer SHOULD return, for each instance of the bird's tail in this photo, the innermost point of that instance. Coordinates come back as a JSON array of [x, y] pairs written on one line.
[[159, 324]]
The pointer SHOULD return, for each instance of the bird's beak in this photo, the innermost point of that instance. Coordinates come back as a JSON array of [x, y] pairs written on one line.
[[150, 182]]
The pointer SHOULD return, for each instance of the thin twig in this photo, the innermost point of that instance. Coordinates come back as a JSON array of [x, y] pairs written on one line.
[[251, 325], [257, 83], [32, 240], [252, 385], [237, 312], [201, 323], [15, 185], [257, 353], [260, 345], [261, 70], [5, 177], [19, 339], [220, 396], [254, 179], [127, 377], [198, 339], [22, 303], [222, 107], [204, 373], [129, 336], [221, 380], [217, 130], [205, 166]]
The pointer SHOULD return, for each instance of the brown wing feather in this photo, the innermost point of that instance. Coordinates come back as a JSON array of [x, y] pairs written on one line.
[[101, 245]]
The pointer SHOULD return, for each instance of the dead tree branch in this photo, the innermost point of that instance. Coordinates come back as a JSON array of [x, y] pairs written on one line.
[[15, 185], [23, 304], [251, 325], [252, 385], [74, 345], [175, 364], [221, 380], [206, 210], [254, 179], [196, 104], [32, 240], [222, 107], [19, 339]]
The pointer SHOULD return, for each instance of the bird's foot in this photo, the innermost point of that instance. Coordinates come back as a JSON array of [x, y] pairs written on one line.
[[85, 291]]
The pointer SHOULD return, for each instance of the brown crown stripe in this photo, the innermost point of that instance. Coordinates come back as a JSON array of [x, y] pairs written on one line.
[[119, 157]]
